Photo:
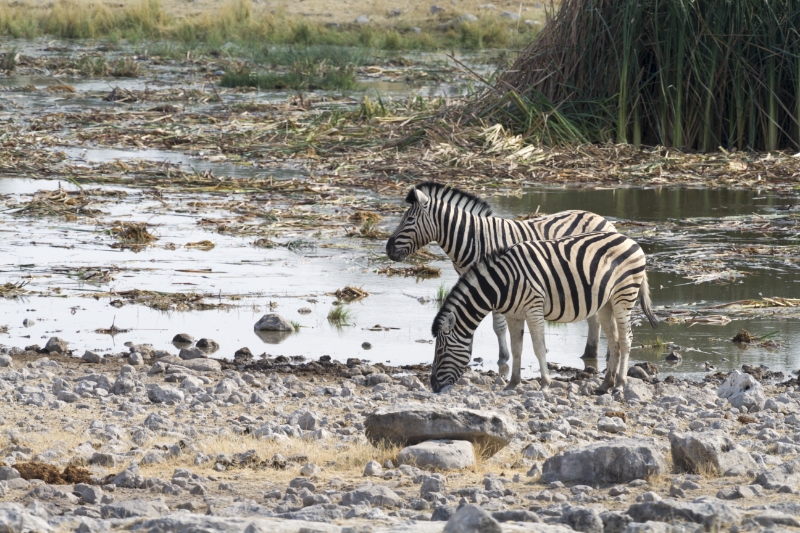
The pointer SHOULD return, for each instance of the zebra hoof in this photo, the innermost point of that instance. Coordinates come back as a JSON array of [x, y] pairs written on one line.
[[511, 386], [504, 370], [601, 390]]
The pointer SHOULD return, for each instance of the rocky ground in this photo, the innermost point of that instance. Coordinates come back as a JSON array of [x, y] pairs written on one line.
[[146, 440]]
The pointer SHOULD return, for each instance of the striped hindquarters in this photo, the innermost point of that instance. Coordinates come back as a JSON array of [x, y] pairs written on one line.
[[573, 276]]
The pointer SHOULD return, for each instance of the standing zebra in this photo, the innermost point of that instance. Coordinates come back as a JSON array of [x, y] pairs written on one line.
[[463, 225], [561, 280]]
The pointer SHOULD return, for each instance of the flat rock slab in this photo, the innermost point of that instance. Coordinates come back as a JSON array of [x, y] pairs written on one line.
[[439, 455], [199, 364], [412, 424], [613, 461], [713, 514], [709, 450]]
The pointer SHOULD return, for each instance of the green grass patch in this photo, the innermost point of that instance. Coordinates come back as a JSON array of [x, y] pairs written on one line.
[[340, 315]]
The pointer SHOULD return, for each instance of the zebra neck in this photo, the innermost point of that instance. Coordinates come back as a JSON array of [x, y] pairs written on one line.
[[460, 236]]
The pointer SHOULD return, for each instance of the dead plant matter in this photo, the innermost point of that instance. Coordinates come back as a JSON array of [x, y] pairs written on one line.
[[50, 474], [350, 294], [132, 234], [743, 337], [419, 271]]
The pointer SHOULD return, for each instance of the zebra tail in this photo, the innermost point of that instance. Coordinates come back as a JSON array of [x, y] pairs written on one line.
[[644, 299]]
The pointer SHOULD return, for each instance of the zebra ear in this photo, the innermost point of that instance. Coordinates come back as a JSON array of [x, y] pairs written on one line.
[[421, 197], [448, 323]]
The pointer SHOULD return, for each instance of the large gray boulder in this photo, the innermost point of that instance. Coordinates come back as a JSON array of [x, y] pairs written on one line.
[[742, 390], [786, 474], [439, 455], [273, 322], [412, 424], [376, 495], [14, 518], [711, 451], [712, 514], [614, 461]]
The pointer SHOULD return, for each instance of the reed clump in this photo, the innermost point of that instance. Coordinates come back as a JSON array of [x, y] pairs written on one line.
[[692, 75]]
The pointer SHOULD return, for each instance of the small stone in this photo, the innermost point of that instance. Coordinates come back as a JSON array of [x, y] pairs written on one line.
[[28, 322], [373, 468], [136, 359], [56, 345], [674, 357], [439, 455], [208, 345], [472, 519], [273, 322], [6, 361], [611, 425], [366, 346], [435, 9], [394, 13], [310, 470], [183, 338], [510, 15], [191, 353], [362, 19], [92, 357]]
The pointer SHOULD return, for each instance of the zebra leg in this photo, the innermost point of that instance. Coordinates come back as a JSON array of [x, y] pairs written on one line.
[[499, 325], [625, 335], [609, 325], [516, 327], [535, 319], [593, 340]]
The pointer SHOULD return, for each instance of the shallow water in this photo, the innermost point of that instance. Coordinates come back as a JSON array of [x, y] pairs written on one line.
[[290, 279]]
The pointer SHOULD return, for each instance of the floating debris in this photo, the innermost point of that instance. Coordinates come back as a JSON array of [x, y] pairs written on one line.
[[12, 289], [201, 245], [419, 271], [743, 337], [350, 294], [165, 301], [133, 235]]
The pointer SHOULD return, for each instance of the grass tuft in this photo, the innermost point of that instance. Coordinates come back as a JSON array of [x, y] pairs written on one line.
[[340, 315]]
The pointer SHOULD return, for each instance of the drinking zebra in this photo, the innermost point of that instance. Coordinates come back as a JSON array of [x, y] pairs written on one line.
[[463, 225], [561, 280]]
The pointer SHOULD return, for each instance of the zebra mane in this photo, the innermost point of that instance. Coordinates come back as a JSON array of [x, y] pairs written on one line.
[[451, 195], [461, 287]]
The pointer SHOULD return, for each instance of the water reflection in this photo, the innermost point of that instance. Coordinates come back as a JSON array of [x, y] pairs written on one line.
[[273, 337]]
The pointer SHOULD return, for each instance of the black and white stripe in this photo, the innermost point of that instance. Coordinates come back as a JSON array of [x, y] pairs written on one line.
[[463, 225], [561, 280]]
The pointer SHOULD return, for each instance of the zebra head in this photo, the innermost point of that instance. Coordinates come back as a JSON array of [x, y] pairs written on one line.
[[453, 353], [415, 229]]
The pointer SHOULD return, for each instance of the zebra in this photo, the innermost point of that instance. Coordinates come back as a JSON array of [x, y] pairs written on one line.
[[463, 225], [561, 280]]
